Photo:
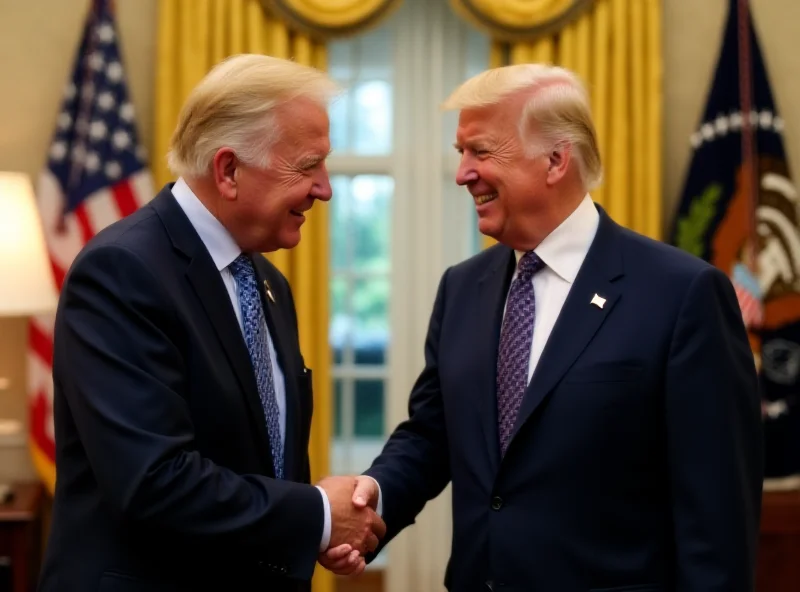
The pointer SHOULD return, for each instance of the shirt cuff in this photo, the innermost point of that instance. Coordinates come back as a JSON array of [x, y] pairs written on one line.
[[379, 508], [326, 529]]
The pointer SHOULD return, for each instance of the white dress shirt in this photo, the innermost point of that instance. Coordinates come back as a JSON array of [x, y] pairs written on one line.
[[562, 252], [224, 250]]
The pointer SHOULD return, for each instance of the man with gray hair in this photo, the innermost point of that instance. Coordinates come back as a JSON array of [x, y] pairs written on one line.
[[589, 392], [182, 402]]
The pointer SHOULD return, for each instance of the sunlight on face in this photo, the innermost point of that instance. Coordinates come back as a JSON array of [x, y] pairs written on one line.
[[272, 202], [506, 184]]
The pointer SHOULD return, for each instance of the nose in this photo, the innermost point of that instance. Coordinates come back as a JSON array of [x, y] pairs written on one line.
[[466, 173], [321, 189]]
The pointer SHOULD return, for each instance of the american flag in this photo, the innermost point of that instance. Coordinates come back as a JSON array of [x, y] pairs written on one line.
[[96, 173], [748, 293]]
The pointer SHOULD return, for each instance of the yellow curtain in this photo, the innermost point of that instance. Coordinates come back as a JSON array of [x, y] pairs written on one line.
[[327, 19], [615, 47], [193, 36]]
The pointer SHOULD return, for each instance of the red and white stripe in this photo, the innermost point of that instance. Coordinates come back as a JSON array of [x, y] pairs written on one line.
[[65, 239], [752, 308]]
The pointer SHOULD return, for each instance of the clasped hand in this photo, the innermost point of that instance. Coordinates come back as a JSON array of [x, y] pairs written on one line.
[[355, 527]]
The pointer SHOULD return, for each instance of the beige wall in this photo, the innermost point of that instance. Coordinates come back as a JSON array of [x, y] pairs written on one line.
[[38, 40], [692, 31]]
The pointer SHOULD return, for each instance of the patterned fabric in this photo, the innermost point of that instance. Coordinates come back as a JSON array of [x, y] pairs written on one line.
[[515, 346], [255, 336], [96, 173]]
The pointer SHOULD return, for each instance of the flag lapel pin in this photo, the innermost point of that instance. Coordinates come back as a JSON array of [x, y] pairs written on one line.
[[598, 301]]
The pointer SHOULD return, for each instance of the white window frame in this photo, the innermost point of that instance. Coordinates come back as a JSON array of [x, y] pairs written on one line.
[[433, 226]]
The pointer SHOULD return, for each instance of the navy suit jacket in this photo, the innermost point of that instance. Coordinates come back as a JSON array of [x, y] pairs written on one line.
[[636, 458], [164, 470]]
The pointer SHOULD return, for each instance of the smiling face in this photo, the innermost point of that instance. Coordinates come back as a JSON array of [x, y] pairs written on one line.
[[506, 184], [516, 193], [263, 208]]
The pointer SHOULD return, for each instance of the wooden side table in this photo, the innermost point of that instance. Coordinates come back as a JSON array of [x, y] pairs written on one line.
[[20, 529], [779, 545]]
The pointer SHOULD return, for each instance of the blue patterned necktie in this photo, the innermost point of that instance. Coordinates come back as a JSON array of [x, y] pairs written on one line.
[[255, 336], [514, 353]]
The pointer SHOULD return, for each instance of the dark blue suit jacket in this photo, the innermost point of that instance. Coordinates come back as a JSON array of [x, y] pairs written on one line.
[[636, 460], [162, 452]]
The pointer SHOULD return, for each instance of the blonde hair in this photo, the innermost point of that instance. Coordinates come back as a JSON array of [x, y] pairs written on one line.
[[234, 106], [557, 111]]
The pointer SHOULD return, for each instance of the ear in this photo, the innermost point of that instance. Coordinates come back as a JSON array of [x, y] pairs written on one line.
[[224, 168], [558, 163]]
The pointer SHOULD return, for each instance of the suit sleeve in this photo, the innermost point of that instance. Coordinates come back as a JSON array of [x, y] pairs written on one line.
[[413, 467], [120, 366], [715, 441]]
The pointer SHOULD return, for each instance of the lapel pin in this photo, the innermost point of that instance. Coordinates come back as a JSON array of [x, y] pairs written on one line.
[[269, 291], [598, 301]]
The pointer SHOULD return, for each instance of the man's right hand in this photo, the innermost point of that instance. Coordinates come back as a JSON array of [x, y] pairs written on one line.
[[366, 493], [354, 524], [342, 560]]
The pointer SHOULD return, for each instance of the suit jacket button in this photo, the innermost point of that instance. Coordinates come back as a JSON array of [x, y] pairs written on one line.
[[497, 502]]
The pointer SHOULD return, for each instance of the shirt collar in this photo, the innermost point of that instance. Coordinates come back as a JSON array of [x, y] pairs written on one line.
[[216, 238], [565, 248]]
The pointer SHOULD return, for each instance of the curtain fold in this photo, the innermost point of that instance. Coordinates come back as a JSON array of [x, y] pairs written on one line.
[[326, 19], [519, 21], [615, 47], [193, 36]]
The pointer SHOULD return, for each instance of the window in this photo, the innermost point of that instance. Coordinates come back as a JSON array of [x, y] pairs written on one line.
[[362, 130], [392, 157]]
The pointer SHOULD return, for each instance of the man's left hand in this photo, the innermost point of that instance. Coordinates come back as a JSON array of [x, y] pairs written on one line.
[[343, 561]]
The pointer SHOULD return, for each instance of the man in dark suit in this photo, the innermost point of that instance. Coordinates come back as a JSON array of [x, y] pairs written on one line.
[[182, 402], [589, 392]]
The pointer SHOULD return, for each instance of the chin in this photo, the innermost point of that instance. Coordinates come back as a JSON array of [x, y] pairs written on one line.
[[289, 240], [488, 228]]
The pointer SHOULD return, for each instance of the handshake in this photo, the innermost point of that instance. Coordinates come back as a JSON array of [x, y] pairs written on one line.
[[356, 529]]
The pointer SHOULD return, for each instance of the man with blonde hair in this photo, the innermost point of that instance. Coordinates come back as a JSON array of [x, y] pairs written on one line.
[[589, 392], [182, 401]]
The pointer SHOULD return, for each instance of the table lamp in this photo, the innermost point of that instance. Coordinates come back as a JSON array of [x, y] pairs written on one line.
[[27, 287]]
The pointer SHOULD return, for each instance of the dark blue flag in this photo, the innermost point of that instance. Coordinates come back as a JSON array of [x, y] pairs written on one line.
[[740, 211]]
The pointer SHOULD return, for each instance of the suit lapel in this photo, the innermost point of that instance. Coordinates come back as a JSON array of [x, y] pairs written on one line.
[[207, 283], [280, 339], [579, 319], [492, 289]]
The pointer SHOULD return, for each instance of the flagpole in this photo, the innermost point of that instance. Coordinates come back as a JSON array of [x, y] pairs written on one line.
[[749, 148]]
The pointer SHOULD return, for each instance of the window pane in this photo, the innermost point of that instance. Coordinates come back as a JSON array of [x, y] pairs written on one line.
[[340, 323], [369, 408], [371, 320], [340, 247], [372, 111], [361, 118], [361, 222], [371, 306], [371, 349], [370, 201]]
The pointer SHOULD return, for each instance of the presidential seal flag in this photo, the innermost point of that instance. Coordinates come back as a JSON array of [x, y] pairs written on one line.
[[95, 174], [740, 210]]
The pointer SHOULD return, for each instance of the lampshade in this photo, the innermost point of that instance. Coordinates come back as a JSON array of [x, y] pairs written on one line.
[[26, 279]]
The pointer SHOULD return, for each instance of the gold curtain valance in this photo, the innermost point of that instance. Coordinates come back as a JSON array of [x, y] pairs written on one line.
[[520, 20], [328, 19]]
